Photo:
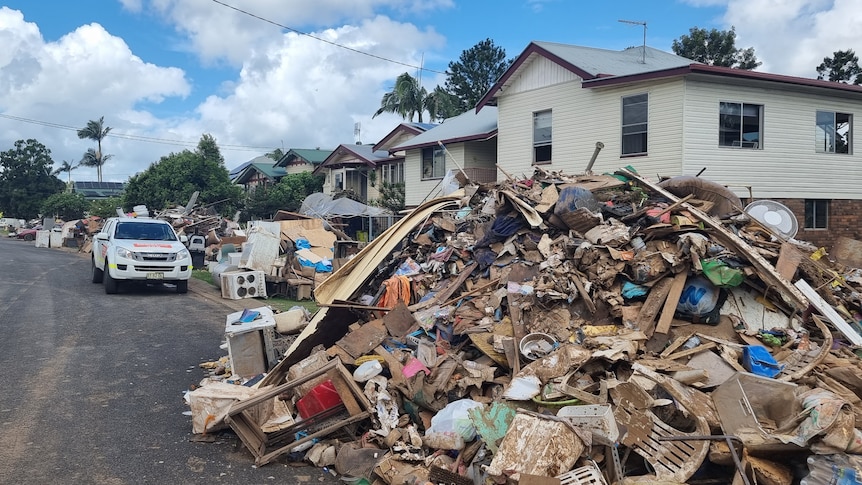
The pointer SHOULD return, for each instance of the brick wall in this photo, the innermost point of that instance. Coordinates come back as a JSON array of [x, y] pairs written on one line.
[[845, 219]]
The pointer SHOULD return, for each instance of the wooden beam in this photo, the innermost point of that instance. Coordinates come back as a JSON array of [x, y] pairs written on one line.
[[671, 302]]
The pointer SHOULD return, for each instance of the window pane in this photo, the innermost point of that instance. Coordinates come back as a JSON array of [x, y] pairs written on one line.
[[542, 136], [739, 125], [824, 132], [843, 125], [634, 124], [816, 214]]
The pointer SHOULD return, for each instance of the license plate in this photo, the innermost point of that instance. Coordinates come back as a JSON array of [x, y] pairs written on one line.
[[155, 276]]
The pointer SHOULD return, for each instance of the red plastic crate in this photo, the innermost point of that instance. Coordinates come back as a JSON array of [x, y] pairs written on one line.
[[319, 399]]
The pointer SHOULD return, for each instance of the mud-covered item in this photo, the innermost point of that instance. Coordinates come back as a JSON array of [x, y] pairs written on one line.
[[726, 202]]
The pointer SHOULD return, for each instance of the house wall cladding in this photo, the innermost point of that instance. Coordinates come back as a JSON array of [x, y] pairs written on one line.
[[786, 165], [845, 219], [581, 117]]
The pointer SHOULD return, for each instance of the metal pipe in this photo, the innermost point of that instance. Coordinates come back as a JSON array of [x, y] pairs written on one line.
[[599, 146]]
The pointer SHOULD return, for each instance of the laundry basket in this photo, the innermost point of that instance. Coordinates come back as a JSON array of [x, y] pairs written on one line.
[[585, 475]]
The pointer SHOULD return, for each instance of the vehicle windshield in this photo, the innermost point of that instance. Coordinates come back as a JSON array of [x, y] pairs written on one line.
[[145, 231]]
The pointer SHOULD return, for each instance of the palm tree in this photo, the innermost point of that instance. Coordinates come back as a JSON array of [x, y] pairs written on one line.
[[93, 158], [66, 167], [407, 98], [96, 131]]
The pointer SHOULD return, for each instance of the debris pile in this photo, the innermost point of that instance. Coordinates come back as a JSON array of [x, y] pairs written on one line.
[[571, 329]]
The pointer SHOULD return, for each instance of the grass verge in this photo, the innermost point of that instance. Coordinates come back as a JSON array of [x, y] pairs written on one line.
[[277, 302]]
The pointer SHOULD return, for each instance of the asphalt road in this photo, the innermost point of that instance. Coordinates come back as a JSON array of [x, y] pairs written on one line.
[[93, 384]]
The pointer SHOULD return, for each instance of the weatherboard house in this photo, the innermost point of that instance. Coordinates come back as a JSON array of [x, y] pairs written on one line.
[[765, 136]]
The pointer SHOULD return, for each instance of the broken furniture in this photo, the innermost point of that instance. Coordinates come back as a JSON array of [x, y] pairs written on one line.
[[267, 446], [250, 336]]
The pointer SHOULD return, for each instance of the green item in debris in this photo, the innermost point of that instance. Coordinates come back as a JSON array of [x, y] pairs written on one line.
[[720, 274]]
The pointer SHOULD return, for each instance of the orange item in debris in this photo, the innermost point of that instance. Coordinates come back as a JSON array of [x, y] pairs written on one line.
[[319, 399], [397, 289], [664, 218]]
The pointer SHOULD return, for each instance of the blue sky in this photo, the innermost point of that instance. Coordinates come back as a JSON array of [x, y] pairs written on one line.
[[163, 72]]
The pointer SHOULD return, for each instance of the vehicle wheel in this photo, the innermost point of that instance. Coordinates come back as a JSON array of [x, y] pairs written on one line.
[[29, 237], [182, 286], [111, 284], [97, 273]]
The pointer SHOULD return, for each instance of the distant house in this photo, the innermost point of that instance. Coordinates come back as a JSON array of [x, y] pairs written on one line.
[[98, 190], [348, 169], [467, 142], [764, 135], [298, 160], [259, 172]]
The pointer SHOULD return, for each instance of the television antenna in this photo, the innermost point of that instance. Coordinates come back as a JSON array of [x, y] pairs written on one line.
[[643, 24], [357, 128]]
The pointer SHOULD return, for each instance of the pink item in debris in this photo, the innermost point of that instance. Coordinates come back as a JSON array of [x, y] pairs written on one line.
[[413, 366]]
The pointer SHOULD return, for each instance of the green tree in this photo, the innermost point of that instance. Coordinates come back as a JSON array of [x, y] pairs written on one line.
[[66, 206], [26, 180], [66, 167], [406, 99], [263, 202], [96, 131], [475, 72], [275, 154], [842, 67], [105, 208], [174, 178], [391, 196], [716, 48], [441, 104]]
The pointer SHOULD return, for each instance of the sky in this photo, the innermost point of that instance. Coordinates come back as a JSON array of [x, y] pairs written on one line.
[[264, 74]]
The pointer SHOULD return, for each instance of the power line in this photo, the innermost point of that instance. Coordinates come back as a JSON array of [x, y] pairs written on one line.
[[326, 41], [146, 139]]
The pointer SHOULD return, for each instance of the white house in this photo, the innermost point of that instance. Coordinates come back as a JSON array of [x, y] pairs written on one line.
[[765, 136]]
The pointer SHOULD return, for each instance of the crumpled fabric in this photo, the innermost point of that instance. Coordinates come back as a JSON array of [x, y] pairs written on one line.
[[397, 288], [501, 228]]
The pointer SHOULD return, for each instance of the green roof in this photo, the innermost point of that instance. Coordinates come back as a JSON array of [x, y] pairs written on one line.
[[315, 156]]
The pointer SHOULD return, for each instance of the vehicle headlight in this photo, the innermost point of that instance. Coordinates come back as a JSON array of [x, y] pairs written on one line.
[[183, 254], [125, 253]]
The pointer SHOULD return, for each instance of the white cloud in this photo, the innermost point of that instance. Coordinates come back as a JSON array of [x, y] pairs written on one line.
[[793, 36]]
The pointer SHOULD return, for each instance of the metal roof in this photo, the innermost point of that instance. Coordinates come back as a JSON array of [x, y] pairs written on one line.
[[467, 126]]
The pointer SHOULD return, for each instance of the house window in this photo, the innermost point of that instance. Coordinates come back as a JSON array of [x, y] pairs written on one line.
[[433, 163], [542, 137], [635, 111], [832, 132], [816, 213], [339, 181], [740, 125], [392, 173]]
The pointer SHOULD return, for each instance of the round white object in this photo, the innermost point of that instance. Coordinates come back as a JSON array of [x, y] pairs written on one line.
[[367, 370]]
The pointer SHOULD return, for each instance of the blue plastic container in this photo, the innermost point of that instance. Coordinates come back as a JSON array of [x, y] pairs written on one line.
[[757, 360]]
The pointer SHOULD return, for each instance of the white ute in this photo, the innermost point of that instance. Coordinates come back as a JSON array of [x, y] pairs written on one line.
[[141, 249]]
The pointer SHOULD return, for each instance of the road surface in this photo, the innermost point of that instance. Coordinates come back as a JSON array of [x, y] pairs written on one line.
[[94, 383]]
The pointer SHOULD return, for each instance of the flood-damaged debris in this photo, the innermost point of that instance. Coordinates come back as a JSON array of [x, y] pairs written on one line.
[[562, 329]]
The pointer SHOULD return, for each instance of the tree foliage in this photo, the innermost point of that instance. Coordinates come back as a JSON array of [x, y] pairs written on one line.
[[264, 201], [391, 196], [26, 179], [275, 154], [105, 208], [66, 167], [442, 104], [843, 67], [478, 68], [407, 98], [66, 206], [96, 131], [716, 48], [174, 178]]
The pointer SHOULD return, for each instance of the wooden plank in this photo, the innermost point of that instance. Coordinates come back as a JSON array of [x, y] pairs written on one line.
[[687, 352], [344, 392], [826, 309], [655, 299], [671, 302], [574, 276], [364, 339], [788, 260]]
